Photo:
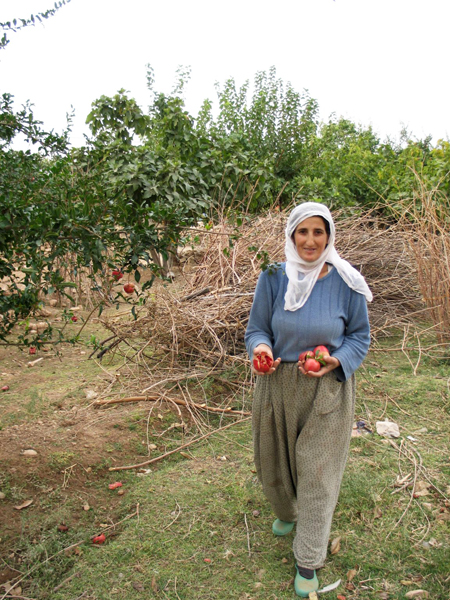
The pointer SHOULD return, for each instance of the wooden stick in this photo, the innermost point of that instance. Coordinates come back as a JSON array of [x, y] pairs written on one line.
[[35, 362], [195, 294], [158, 458], [63, 583], [248, 536], [227, 411]]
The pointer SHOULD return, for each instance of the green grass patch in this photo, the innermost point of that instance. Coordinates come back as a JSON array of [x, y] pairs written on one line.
[[201, 528]]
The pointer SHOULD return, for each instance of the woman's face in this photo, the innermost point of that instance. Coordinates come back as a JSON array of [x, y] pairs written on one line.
[[311, 238]]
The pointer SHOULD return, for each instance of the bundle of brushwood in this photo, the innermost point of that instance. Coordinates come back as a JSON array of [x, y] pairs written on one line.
[[425, 227], [201, 323]]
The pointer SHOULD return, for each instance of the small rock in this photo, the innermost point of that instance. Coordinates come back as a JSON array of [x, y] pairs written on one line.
[[30, 452], [2, 496]]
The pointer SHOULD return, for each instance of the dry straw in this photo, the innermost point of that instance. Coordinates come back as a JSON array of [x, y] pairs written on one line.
[[197, 325], [425, 225]]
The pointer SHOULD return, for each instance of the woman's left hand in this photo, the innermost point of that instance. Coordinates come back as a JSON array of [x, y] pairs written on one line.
[[331, 364]]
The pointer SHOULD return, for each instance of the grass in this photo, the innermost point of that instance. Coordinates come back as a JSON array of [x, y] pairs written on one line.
[[202, 529]]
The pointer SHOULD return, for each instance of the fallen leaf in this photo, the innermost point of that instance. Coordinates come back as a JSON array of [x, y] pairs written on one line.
[[377, 512], [154, 585], [99, 539], [24, 505], [256, 513], [143, 472], [62, 527], [417, 594], [421, 485], [113, 486], [407, 582], [86, 507], [330, 587], [421, 494], [15, 592], [138, 586], [349, 586], [443, 516], [11, 590], [335, 545], [186, 455], [340, 597], [313, 596], [351, 574], [207, 560]]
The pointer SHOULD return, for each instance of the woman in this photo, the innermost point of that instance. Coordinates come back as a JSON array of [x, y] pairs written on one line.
[[302, 421]]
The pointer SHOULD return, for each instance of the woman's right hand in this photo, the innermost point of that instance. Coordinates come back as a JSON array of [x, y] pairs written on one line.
[[264, 349]]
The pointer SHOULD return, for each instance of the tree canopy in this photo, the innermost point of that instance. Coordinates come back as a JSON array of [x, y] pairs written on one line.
[[142, 178]]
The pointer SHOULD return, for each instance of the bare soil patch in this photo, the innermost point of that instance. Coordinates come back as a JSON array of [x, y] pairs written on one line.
[[49, 410]]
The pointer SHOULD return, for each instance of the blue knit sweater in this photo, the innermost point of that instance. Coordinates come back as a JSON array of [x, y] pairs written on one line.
[[334, 315]]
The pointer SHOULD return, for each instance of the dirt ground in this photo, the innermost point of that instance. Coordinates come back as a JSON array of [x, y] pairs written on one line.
[[49, 409]]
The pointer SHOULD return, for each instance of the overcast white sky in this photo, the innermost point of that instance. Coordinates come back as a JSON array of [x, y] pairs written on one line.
[[383, 63]]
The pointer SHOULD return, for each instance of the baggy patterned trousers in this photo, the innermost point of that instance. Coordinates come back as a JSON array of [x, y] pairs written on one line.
[[301, 435]]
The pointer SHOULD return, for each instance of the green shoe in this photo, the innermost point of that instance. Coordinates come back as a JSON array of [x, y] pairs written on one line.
[[280, 527], [303, 587]]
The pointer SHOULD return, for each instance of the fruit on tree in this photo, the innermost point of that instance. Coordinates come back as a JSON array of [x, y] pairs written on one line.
[[117, 275], [128, 288]]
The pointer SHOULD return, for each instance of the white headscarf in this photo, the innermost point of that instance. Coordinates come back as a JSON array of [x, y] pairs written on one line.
[[303, 275]]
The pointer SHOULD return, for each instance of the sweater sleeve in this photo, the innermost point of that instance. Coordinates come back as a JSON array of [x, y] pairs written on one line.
[[259, 329], [356, 338]]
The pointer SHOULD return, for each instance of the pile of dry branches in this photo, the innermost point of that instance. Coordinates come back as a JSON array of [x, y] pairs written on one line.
[[425, 225], [199, 324]]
